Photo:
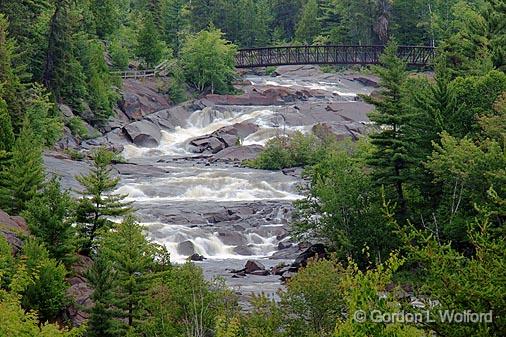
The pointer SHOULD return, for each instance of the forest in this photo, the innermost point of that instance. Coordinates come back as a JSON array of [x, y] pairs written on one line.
[[418, 205]]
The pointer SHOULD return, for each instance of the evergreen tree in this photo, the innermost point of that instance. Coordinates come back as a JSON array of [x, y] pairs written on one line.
[[10, 85], [24, 174], [390, 158], [174, 23], [149, 48], [50, 218], [263, 24], [101, 277], [6, 133], [98, 202], [106, 17], [132, 258], [308, 26], [43, 116], [47, 292], [59, 48]]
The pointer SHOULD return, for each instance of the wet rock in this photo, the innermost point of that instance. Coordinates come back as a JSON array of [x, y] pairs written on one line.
[[368, 81], [206, 144], [284, 245], [287, 276], [252, 266], [186, 248], [238, 153], [223, 138], [316, 251], [286, 254], [143, 133], [280, 269], [232, 238], [197, 257], [260, 273], [243, 251]]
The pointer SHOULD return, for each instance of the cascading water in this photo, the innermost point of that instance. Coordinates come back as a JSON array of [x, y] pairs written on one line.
[[222, 212]]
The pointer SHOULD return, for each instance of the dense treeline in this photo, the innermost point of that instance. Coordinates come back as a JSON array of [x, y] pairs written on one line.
[[419, 203]]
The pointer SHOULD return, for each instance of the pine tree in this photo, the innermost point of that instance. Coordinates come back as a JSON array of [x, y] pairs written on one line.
[[308, 26], [264, 21], [390, 159], [101, 277], [6, 133], [24, 174], [132, 258], [174, 23], [106, 17], [10, 85], [50, 218], [150, 48], [98, 202]]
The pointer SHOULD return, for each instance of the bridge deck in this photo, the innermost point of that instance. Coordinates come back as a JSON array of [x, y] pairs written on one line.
[[334, 55]]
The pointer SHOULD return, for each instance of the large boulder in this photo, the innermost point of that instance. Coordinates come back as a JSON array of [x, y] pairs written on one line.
[[316, 251], [140, 98], [238, 153], [223, 138], [186, 248], [253, 266], [206, 144], [144, 133]]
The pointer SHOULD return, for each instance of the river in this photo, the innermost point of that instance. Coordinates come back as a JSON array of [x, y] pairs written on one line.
[[224, 212]]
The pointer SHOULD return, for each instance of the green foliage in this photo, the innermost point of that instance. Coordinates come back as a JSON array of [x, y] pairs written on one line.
[[98, 202], [208, 61], [99, 93], [183, 301], [308, 26], [365, 291], [312, 308], [296, 150], [101, 278], [264, 320], [461, 282], [466, 172], [120, 55], [43, 116], [476, 96], [47, 292], [16, 279], [390, 158], [7, 263], [50, 218], [343, 207], [6, 133], [77, 127], [149, 46], [24, 173], [127, 260]]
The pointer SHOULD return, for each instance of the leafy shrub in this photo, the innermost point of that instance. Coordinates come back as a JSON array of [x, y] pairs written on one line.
[[282, 152], [120, 55], [209, 61], [77, 127]]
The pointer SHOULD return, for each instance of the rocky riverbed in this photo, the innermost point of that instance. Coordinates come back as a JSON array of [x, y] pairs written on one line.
[[183, 168]]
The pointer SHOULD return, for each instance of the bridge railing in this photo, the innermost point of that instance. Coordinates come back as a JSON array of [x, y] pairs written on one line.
[[346, 55]]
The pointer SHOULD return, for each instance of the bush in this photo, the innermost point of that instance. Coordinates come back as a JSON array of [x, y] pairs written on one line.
[[47, 292], [77, 127], [282, 152], [209, 61]]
